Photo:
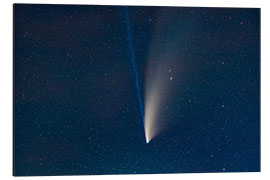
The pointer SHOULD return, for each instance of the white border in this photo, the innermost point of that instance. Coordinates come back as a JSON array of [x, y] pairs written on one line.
[[6, 85]]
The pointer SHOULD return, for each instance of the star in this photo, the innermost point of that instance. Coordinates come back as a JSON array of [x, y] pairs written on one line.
[[223, 169]]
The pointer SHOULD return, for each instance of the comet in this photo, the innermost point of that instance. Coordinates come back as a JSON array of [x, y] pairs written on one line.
[[161, 75]]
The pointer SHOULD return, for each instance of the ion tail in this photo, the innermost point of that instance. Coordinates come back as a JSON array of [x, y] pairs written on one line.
[[134, 65]]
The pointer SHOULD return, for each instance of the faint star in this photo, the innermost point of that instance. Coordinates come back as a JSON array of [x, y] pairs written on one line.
[[171, 78]]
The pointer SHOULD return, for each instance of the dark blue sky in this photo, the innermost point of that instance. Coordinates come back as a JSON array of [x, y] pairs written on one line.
[[76, 105]]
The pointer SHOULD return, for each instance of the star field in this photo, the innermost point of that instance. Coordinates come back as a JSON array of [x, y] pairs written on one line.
[[75, 102]]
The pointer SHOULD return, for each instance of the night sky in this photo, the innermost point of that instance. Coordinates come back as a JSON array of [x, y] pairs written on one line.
[[79, 72]]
